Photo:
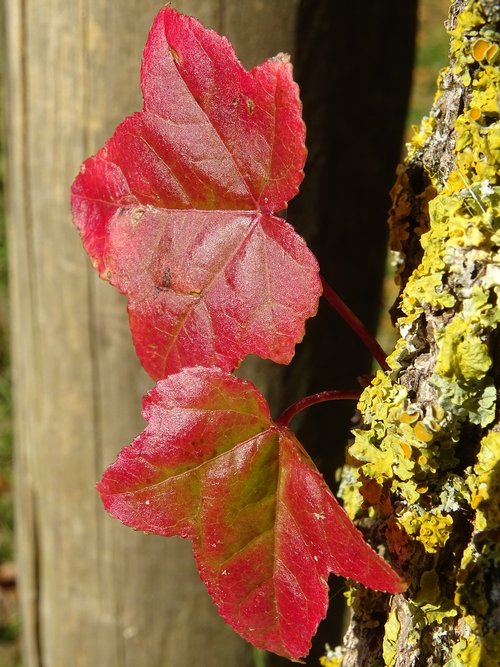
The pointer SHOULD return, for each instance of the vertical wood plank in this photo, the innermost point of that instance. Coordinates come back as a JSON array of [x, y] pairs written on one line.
[[92, 592]]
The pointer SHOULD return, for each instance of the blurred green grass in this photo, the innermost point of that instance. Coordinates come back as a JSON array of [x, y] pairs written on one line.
[[431, 56]]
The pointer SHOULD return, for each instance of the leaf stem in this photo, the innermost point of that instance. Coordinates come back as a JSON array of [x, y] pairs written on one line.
[[332, 395], [355, 323]]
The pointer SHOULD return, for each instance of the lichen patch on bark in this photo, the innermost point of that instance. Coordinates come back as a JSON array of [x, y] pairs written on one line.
[[423, 473]]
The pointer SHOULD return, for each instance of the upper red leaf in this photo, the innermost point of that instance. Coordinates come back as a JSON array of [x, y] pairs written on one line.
[[211, 466], [177, 209]]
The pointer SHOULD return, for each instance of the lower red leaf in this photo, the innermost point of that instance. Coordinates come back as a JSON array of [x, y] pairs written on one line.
[[266, 530]]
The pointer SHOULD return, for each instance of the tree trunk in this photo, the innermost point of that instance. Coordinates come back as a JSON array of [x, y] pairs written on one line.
[[427, 458], [92, 592]]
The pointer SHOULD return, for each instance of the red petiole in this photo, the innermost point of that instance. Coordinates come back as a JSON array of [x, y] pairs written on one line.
[[333, 395], [362, 332], [355, 323]]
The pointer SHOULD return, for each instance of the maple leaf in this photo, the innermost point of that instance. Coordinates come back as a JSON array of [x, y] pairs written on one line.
[[211, 466], [177, 209]]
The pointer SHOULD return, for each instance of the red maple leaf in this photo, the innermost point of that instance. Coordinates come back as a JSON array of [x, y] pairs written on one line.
[[211, 466], [177, 209]]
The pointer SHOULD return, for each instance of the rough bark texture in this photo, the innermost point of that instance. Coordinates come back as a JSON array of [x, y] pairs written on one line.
[[92, 591], [424, 469]]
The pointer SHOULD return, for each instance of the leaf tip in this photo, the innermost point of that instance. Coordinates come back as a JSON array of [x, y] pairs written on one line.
[[282, 57]]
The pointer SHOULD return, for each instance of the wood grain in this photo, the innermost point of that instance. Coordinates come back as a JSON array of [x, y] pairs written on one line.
[[93, 593]]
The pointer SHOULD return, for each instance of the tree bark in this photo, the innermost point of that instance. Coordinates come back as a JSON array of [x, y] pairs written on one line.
[[424, 471], [92, 591]]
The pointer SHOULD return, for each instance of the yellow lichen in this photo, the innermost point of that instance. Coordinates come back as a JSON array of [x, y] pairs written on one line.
[[462, 354], [481, 555], [492, 53], [474, 113], [408, 418], [390, 642], [479, 48], [474, 649], [332, 657], [429, 613], [429, 591], [413, 443], [466, 653], [422, 433], [432, 529], [485, 485]]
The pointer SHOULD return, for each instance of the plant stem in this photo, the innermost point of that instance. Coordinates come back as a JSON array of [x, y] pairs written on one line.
[[259, 657], [355, 323], [333, 395]]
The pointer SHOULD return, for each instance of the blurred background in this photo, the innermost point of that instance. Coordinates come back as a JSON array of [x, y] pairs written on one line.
[[71, 75]]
